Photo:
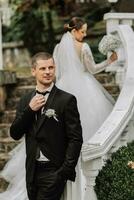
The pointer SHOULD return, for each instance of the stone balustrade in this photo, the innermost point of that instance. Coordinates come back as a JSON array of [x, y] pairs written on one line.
[[15, 55], [115, 19], [112, 22], [118, 128]]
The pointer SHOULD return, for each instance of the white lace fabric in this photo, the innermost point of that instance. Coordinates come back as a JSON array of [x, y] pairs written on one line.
[[89, 63]]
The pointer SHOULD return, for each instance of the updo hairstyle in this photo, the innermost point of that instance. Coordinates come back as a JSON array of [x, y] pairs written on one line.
[[75, 23]]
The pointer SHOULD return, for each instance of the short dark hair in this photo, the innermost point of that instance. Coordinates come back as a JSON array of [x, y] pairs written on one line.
[[40, 56]]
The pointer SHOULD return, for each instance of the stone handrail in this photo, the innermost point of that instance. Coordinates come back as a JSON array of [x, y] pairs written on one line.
[[115, 131], [115, 19]]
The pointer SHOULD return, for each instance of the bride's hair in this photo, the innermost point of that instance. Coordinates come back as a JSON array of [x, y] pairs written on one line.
[[75, 23]]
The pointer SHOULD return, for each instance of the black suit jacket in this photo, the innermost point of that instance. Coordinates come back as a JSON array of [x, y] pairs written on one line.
[[59, 140]]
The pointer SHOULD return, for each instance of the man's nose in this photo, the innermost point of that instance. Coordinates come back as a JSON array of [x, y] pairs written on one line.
[[47, 70]]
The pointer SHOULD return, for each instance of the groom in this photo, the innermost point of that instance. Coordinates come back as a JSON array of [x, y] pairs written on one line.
[[49, 119]]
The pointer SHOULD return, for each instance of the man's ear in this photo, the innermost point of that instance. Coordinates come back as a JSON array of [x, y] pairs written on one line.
[[54, 79], [33, 69]]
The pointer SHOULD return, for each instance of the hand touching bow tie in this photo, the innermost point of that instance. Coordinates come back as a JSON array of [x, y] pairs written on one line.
[[38, 101]]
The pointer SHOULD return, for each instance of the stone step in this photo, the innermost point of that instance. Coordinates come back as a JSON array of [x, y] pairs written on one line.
[[22, 90], [104, 77], [12, 103], [4, 130], [7, 116], [4, 157], [15, 95], [29, 80], [7, 144], [3, 184], [113, 89], [3, 160]]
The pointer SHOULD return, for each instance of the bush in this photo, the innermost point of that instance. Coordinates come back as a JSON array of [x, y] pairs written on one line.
[[116, 180]]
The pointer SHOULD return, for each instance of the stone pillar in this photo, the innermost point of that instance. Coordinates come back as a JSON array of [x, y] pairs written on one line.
[[111, 23], [1, 57]]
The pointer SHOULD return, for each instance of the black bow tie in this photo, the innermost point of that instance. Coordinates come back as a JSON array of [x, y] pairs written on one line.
[[42, 93]]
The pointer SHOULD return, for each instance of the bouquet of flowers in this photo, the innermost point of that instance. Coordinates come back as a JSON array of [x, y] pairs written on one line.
[[109, 43]]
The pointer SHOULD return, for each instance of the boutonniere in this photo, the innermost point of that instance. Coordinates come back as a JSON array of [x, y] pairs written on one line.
[[51, 113]]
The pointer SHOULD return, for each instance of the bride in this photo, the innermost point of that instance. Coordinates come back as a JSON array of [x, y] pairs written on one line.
[[75, 69]]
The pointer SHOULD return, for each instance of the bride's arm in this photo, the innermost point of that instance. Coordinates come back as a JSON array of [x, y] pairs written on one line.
[[89, 62]]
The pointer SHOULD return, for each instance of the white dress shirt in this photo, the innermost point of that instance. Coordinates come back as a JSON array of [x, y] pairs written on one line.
[[42, 157]]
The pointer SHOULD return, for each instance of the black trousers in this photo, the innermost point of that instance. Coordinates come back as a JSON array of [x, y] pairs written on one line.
[[47, 184]]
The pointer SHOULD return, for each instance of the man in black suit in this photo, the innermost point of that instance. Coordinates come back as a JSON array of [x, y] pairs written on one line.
[[49, 119]]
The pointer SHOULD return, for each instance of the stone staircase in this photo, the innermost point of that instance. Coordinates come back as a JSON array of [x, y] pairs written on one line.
[[24, 85], [109, 83]]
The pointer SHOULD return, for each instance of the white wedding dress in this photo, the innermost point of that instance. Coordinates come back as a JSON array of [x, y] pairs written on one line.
[[74, 75]]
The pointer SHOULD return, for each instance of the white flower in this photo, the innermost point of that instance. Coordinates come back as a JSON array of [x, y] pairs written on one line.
[[130, 164], [109, 43], [51, 113]]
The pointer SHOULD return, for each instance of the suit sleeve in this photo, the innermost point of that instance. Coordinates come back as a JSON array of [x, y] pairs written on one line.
[[23, 120], [74, 137]]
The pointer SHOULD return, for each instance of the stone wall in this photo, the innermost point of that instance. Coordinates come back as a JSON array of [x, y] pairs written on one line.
[[6, 78], [15, 55]]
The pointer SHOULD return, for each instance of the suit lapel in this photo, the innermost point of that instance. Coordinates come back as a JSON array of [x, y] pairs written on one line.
[[29, 97], [47, 105]]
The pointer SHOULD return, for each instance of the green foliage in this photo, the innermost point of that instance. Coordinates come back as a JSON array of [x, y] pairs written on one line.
[[116, 180], [32, 24], [98, 57], [39, 23]]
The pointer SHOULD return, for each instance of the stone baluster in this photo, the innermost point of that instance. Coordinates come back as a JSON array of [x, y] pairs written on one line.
[[127, 21], [90, 171], [130, 130], [123, 139], [112, 21]]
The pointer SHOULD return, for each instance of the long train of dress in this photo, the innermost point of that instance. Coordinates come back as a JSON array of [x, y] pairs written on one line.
[[94, 106]]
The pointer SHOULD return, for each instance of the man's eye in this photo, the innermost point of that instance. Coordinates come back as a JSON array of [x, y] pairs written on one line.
[[42, 68], [51, 67]]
